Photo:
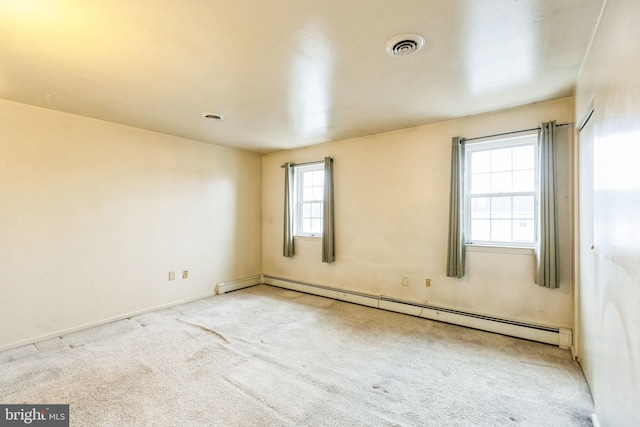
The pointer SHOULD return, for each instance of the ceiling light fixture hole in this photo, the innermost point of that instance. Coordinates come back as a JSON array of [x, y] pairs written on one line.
[[213, 116]]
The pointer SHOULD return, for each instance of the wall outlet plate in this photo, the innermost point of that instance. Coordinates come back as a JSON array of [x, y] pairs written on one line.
[[172, 275]]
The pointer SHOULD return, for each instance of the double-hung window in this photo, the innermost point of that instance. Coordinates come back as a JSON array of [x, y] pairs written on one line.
[[309, 190], [500, 191]]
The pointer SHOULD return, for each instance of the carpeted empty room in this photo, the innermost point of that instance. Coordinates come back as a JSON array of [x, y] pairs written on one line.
[[319, 213], [270, 356]]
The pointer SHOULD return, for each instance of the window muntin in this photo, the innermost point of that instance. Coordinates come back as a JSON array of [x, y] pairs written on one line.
[[309, 184], [501, 191]]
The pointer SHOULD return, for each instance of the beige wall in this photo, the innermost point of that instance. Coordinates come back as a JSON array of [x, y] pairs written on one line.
[[94, 215], [392, 207], [610, 303]]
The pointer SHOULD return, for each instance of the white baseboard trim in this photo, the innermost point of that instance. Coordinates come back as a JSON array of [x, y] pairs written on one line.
[[558, 336], [594, 420], [67, 331], [234, 285], [550, 335]]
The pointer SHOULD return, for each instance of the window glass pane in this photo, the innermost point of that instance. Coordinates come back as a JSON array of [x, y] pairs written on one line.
[[480, 230], [523, 207], [501, 230], [308, 212], [501, 160], [481, 162], [523, 230], [481, 183], [501, 207], [307, 193], [480, 207], [523, 157], [524, 181], [307, 179], [501, 182], [318, 178], [317, 193], [316, 210]]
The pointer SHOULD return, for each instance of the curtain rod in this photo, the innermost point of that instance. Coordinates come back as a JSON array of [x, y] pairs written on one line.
[[307, 163], [509, 133]]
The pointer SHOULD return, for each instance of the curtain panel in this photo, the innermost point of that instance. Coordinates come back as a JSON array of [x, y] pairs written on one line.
[[456, 252], [287, 250], [547, 244], [328, 220]]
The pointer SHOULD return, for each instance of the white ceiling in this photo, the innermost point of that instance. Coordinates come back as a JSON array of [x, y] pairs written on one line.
[[288, 73]]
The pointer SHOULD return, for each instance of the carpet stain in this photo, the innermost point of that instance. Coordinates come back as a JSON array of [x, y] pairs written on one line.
[[144, 325], [198, 355], [379, 387], [134, 320]]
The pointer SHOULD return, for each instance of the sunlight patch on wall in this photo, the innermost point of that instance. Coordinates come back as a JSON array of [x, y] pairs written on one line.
[[35, 13]]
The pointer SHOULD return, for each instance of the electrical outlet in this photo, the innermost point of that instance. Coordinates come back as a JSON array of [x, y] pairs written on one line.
[[427, 283], [172, 275], [185, 274], [405, 281]]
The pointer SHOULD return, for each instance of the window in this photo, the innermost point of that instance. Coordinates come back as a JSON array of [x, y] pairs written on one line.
[[500, 202], [309, 190]]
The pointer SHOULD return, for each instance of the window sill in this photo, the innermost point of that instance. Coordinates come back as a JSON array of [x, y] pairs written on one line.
[[518, 250], [308, 238]]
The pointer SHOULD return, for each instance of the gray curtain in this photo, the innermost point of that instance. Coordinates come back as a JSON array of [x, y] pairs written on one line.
[[288, 210], [547, 253], [456, 254], [328, 221]]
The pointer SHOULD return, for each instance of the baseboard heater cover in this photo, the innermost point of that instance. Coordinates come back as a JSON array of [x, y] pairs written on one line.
[[234, 285], [561, 337]]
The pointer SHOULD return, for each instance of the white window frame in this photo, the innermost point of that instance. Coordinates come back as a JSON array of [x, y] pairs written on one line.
[[529, 138], [299, 173]]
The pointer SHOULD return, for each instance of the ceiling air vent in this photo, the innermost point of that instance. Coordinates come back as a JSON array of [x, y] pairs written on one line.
[[405, 44]]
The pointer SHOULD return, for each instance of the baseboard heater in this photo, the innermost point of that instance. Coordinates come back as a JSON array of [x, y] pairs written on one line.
[[561, 337], [234, 285]]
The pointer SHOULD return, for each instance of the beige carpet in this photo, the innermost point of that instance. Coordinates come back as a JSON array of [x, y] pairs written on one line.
[[265, 356]]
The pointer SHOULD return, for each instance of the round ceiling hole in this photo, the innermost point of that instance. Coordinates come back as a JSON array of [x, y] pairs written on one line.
[[404, 44], [213, 116]]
